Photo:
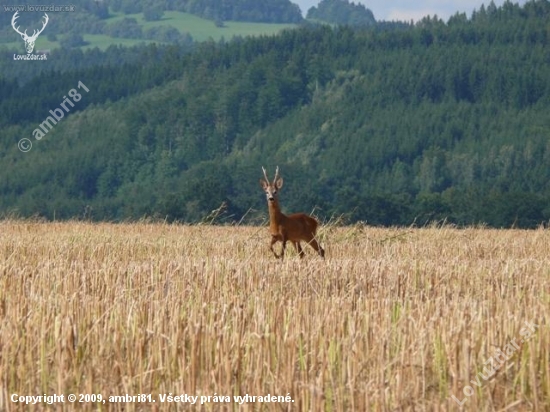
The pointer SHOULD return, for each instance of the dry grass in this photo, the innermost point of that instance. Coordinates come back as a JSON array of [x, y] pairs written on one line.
[[393, 319]]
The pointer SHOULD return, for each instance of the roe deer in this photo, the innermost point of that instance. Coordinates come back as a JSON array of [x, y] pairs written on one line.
[[293, 228]]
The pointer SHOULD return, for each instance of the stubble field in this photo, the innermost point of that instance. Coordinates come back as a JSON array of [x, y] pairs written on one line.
[[391, 320]]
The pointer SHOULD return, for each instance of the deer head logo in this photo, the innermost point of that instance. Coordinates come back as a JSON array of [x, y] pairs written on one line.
[[29, 40]]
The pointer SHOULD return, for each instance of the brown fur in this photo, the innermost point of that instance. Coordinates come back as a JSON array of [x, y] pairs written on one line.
[[294, 228]]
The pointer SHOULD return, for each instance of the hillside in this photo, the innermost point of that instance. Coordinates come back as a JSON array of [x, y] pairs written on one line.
[[428, 122], [85, 30]]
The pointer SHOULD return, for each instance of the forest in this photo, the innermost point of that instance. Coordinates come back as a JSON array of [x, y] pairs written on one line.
[[341, 12], [387, 124]]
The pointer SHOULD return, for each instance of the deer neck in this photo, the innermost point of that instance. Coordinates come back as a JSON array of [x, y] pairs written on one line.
[[275, 214]]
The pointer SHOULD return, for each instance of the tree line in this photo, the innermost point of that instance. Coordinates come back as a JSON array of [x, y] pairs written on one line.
[[391, 126], [341, 12]]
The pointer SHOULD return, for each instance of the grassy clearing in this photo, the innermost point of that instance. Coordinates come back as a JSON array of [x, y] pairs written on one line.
[[393, 319], [199, 28], [203, 29]]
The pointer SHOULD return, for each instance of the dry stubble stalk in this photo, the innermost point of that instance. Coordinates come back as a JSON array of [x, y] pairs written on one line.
[[394, 319]]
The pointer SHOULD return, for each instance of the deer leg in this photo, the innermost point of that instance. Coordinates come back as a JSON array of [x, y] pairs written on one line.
[[299, 249], [284, 246], [315, 245], [273, 241]]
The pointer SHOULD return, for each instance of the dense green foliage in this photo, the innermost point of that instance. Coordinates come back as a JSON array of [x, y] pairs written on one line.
[[65, 62], [271, 11], [427, 122], [89, 12], [342, 12]]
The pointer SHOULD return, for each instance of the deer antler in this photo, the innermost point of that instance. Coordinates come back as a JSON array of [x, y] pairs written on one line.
[[276, 175], [15, 17], [265, 176]]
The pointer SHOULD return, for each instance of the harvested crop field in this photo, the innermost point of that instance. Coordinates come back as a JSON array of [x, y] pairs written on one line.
[[392, 320]]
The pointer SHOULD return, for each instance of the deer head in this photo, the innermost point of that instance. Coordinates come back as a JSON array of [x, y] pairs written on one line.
[[29, 40], [271, 189]]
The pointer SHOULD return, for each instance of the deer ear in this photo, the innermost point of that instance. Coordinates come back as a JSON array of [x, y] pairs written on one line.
[[279, 183], [263, 184]]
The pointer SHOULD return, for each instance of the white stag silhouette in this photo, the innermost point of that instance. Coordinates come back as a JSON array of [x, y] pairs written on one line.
[[29, 40]]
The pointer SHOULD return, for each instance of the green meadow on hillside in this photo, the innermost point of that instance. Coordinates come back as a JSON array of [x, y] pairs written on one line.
[[200, 29], [203, 29]]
